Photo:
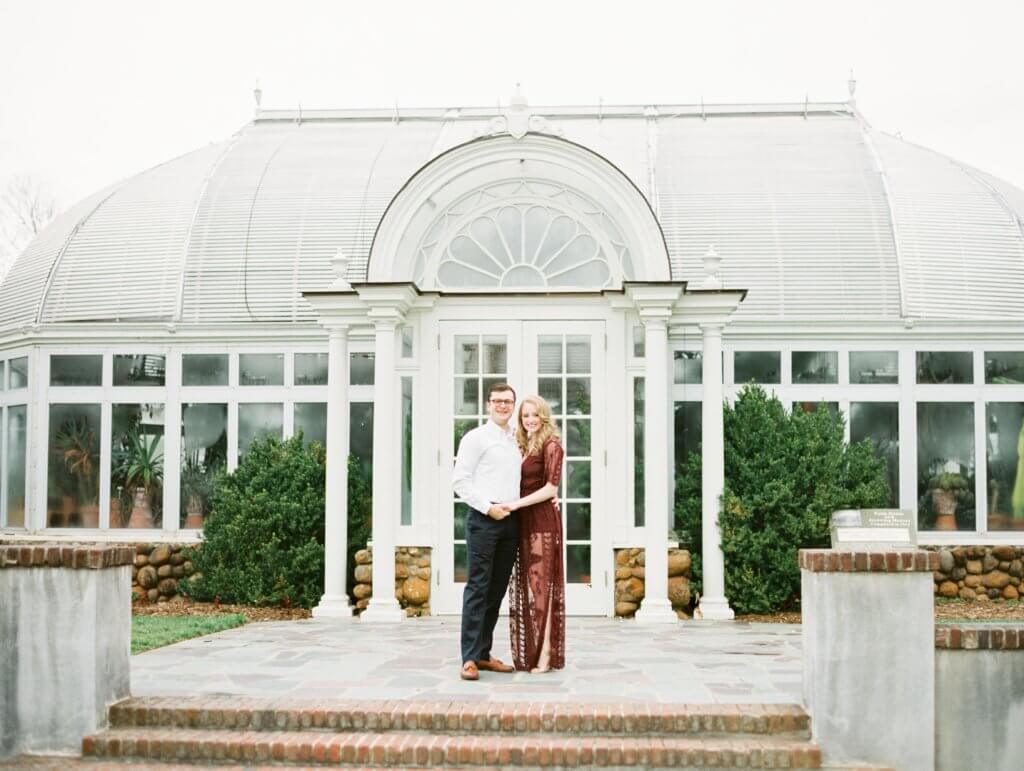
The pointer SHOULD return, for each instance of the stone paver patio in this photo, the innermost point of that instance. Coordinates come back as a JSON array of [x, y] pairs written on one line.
[[608, 660]]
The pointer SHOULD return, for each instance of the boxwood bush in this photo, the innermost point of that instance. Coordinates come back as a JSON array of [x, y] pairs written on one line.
[[785, 473]]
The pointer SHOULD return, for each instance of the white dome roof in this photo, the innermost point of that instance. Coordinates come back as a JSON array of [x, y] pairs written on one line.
[[817, 215]]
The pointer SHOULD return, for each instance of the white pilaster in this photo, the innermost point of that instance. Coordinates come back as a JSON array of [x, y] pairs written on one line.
[[383, 606], [656, 607], [335, 603], [713, 604]]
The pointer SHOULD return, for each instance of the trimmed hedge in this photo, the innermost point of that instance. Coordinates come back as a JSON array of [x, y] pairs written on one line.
[[785, 473]]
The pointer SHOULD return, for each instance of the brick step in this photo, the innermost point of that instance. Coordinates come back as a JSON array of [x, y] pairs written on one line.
[[504, 718], [417, 750]]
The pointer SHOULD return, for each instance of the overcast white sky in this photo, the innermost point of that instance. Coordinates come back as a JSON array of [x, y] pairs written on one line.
[[94, 91]]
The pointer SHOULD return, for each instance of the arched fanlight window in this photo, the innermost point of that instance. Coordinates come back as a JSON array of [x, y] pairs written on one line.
[[523, 235]]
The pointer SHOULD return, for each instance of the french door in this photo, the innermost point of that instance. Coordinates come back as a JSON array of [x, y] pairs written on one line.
[[563, 362]]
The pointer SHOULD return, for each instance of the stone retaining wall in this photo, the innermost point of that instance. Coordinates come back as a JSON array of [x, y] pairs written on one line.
[[412, 579], [156, 570], [630, 579], [982, 573]]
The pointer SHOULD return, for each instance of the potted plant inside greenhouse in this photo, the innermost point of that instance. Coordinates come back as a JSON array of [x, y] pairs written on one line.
[[196, 484], [140, 473], [79, 447], [949, 490]]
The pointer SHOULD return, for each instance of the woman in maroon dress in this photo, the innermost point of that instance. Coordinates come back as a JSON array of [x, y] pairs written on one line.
[[537, 590]]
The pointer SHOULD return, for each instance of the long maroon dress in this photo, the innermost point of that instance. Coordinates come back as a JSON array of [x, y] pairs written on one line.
[[537, 590]]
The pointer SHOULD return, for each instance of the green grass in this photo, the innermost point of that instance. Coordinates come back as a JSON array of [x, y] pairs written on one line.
[[150, 632]]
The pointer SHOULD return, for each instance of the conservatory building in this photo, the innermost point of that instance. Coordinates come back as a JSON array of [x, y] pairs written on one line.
[[362, 276]]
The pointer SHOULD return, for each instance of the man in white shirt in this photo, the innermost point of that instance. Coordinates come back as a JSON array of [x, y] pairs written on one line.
[[487, 469]]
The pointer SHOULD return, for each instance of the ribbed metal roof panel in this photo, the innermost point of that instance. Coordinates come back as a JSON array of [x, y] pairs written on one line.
[[962, 251], [125, 261], [279, 206], [794, 206]]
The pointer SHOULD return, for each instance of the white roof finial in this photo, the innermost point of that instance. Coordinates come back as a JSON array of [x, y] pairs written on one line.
[[339, 265], [257, 95], [712, 264], [851, 86]]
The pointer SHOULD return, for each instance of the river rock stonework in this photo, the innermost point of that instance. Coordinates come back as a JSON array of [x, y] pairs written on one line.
[[412, 579], [156, 571], [980, 573], [630, 581]]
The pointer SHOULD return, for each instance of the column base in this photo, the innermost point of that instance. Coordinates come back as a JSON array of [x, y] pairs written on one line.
[[713, 609], [333, 606], [383, 612], [656, 612]]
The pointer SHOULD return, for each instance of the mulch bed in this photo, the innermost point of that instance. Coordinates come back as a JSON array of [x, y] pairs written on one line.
[[180, 606]]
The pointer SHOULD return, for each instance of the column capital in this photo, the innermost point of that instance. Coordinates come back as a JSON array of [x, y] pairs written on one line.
[[712, 328], [388, 300]]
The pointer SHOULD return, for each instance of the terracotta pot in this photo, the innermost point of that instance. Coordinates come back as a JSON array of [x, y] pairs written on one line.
[[142, 514], [944, 502], [90, 514], [194, 513]]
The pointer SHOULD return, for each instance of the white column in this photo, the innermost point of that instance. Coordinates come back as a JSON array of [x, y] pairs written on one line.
[[386, 452], [656, 607], [713, 604], [334, 603]]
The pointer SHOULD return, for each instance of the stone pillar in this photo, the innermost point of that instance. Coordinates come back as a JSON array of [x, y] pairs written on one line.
[[713, 604], [868, 635], [386, 483], [335, 603], [656, 607], [65, 643]]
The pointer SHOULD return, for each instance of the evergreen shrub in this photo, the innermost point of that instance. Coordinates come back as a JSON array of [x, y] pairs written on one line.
[[785, 473]]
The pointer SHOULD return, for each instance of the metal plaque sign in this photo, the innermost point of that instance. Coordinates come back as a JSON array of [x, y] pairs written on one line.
[[873, 529]]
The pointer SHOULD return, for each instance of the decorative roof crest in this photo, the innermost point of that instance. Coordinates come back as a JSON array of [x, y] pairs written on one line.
[[517, 120]]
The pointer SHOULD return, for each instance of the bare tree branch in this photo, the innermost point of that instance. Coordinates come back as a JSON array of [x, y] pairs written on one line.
[[25, 208]]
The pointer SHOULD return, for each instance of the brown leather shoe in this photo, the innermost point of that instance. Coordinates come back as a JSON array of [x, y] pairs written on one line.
[[469, 671], [495, 665]]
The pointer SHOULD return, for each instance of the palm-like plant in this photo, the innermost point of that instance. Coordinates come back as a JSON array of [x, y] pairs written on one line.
[[80, 447], [142, 463]]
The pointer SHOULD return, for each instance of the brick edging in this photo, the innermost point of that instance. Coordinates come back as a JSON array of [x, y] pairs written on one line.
[[82, 556], [833, 561], [979, 637]]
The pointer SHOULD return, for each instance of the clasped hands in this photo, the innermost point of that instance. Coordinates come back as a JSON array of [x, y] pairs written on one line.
[[501, 510]]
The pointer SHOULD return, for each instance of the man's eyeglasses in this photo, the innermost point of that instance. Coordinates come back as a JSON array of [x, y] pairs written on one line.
[[505, 402]]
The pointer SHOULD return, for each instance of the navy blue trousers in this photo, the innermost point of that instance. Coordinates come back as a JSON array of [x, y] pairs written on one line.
[[491, 545]]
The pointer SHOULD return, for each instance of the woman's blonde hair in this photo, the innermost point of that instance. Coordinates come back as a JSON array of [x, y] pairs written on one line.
[[531, 445]]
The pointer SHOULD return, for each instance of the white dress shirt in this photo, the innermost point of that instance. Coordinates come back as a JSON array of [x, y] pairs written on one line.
[[487, 466]]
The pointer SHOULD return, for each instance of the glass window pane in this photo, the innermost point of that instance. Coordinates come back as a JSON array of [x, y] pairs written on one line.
[[360, 369], [17, 433], [688, 367], [550, 389], [945, 367], [406, 450], [461, 427], [73, 468], [467, 355], [577, 438], [311, 420], [549, 354], [688, 417], [577, 521], [74, 370], [260, 369], [815, 367], [3, 375], [256, 421], [945, 466], [495, 355], [17, 373], [577, 354], [460, 568], [757, 367], [407, 336], [577, 395], [639, 342], [137, 465], [577, 473], [1005, 421], [361, 436], [311, 369], [204, 454], [832, 407], [140, 369], [638, 451], [879, 422], [467, 396], [874, 367], [577, 563], [204, 369], [461, 513], [1004, 367]]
